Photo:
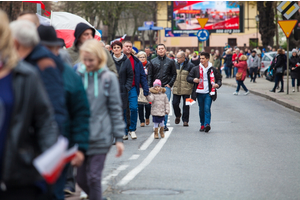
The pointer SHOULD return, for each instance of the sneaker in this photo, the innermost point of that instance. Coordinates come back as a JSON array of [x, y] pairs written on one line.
[[166, 129], [69, 191], [202, 129], [133, 135], [83, 195], [235, 93], [246, 93], [207, 128], [125, 137]]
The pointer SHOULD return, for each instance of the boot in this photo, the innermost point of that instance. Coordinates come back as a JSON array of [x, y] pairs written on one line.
[[147, 121], [297, 88], [156, 133], [293, 89], [161, 131]]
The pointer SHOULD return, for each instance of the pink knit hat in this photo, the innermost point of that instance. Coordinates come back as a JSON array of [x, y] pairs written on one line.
[[157, 82]]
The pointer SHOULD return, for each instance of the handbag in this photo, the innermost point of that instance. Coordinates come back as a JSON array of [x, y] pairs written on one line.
[[142, 99], [239, 76], [279, 70]]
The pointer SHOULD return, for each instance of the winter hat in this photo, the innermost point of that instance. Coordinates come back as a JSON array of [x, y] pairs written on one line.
[[80, 28], [294, 51], [157, 82]]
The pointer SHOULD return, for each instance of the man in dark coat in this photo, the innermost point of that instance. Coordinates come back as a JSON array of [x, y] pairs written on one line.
[[164, 69], [139, 78]]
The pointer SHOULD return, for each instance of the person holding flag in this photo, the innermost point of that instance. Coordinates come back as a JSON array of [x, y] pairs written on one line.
[[206, 80]]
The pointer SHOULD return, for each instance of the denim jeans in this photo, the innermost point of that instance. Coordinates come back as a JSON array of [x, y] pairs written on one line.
[[239, 84], [142, 115], [253, 70], [235, 70], [228, 74], [293, 82], [278, 77], [204, 103], [133, 106], [168, 93]]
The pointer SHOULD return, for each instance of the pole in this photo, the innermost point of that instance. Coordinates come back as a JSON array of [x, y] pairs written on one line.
[[203, 46], [38, 9], [287, 67]]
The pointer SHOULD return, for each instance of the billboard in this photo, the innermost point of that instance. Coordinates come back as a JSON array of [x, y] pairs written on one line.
[[223, 16], [168, 33]]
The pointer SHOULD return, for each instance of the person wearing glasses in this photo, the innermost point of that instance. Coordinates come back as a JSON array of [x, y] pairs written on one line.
[[143, 104]]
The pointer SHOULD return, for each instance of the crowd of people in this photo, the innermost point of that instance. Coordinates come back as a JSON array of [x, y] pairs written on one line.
[[93, 94]]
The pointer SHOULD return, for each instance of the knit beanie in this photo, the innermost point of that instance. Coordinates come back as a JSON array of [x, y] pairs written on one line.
[[157, 82]]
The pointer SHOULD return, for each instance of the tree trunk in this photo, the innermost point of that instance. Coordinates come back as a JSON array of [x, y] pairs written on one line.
[[266, 19], [276, 17]]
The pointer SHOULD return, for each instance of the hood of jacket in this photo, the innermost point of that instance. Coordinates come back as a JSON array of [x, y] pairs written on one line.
[[209, 66], [80, 28], [40, 52], [154, 91]]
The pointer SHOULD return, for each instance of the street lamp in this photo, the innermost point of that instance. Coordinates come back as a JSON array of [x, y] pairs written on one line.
[[257, 20]]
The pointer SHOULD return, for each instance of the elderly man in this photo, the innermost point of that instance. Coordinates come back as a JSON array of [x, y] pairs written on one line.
[[164, 69], [82, 33], [27, 44], [182, 88], [29, 16]]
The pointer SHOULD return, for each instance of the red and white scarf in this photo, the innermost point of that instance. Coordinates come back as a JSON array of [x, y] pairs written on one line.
[[201, 81]]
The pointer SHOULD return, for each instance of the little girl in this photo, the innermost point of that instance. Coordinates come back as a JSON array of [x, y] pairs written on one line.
[[160, 107]]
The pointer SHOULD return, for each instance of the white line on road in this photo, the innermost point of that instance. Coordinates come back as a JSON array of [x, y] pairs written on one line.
[[147, 143], [168, 124], [134, 157], [131, 175], [114, 173]]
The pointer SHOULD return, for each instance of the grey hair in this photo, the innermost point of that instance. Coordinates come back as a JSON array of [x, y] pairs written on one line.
[[25, 33], [141, 53], [181, 53], [103, 43]]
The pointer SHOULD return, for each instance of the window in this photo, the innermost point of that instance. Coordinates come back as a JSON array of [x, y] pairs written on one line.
[[266, 58], [232, 42]]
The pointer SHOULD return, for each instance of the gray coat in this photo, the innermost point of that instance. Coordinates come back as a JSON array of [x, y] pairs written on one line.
[[253, 62], [106, 121]]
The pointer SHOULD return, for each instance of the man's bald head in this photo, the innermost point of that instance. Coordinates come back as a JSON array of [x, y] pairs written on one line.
[[29, 16]]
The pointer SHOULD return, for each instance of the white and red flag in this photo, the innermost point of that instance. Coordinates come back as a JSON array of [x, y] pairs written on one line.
[[65, 24], [189, 101], [119, 39], [51, 163]]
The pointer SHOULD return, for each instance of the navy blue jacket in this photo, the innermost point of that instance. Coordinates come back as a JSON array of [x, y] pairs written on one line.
[[140, 76], [51, 74]]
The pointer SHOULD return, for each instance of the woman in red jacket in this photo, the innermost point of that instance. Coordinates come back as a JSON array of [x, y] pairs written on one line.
[[242, 68]]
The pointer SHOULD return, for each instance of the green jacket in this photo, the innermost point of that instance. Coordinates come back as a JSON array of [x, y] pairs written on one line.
[[77, 123], [181, 86], [217, 63], [74, 54]]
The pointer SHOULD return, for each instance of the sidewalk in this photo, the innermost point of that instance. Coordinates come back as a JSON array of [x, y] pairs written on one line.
[[262, 87]]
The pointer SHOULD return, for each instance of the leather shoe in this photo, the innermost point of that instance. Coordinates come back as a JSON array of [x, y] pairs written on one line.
[[185, 124], [272, 90], [280, 91], [177, 120]]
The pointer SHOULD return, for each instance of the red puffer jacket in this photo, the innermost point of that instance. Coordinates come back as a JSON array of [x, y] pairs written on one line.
[[242, 68]]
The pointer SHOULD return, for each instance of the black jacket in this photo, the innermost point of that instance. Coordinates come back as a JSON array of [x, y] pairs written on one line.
[[164, 69], [228, 60], [125, 72], [279, 61], [296, 72], [32, 128], [196, 74], [196, 62]]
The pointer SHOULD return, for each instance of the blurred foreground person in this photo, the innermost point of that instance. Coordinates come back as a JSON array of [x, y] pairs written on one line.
[[27, 124], [106, 120], [77, 124]]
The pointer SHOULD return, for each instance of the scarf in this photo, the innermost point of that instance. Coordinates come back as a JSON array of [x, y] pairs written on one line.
[[201, 80], [195, 58], [118, 59], [145, 63]]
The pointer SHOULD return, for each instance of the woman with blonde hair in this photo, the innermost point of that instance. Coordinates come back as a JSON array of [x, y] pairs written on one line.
[[24, 106], [241, 74], [106, 121]]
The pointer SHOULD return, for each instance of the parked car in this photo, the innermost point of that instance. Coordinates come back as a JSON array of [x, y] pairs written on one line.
[[266, 62]]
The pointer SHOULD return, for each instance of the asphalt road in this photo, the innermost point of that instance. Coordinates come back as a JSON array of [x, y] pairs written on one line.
[[252, 152]]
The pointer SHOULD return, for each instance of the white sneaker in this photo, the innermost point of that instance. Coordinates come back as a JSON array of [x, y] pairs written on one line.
[[246, 93], [125, 137], [235, 93], [133, 135], [83, 195]]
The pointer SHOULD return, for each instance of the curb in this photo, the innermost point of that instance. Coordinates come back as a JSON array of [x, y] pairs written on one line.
[[295, 108]]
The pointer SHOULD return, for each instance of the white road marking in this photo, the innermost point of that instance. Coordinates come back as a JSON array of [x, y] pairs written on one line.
[[168, 124], [171, 111], [134, 157], [114, 173], [147, 142], [131, 175]]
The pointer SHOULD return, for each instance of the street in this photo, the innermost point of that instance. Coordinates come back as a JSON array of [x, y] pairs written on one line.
[[252, 152]]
